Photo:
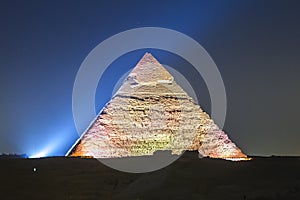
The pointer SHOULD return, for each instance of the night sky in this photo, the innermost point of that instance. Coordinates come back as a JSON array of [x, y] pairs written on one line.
[[255, 44]]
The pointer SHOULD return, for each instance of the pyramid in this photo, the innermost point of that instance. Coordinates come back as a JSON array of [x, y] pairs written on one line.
[[151, 112]]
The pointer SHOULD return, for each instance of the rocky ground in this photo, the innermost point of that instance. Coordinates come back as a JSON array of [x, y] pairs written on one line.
[[187, 178]]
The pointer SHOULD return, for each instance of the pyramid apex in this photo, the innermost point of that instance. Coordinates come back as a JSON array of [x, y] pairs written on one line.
[[148, 58], [149, 69]]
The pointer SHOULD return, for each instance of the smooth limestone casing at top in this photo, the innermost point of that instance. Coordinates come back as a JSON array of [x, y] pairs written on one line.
[[151, 112]]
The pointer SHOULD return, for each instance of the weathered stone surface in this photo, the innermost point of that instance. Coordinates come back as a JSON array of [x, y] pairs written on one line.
[[151, 112]]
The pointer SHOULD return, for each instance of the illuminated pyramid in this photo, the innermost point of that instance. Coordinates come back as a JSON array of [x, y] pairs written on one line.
[[151, 112]]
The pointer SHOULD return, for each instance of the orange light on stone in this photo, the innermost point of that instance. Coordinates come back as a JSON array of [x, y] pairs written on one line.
[[238, 159]]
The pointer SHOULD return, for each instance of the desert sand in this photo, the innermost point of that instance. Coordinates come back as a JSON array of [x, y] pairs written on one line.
[[187, 178]]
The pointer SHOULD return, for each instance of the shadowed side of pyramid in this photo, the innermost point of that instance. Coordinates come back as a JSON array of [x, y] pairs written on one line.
[[149, 113]]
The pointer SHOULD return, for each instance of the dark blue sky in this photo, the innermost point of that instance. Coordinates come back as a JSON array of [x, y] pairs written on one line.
[[255, 44]]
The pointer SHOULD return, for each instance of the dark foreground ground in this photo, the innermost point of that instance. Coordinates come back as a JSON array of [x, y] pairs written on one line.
[[187, 178]]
